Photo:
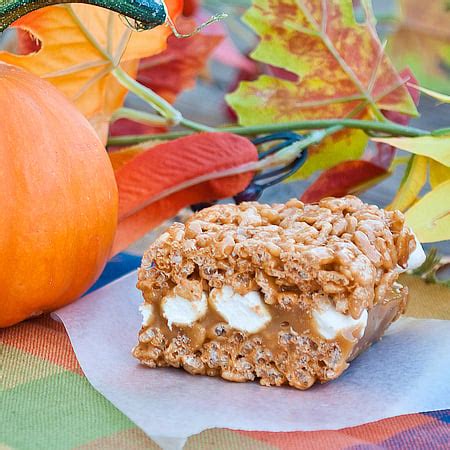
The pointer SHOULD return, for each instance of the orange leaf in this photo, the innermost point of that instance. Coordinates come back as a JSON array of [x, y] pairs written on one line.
[[123, 156], [156, 184], [176, 69], [80, 46], [348, 177]]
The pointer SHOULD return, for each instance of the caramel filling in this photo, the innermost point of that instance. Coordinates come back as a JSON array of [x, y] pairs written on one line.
[[290, 348]]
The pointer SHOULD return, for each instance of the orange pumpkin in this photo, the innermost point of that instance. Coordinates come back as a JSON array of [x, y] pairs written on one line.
[[58, 199]]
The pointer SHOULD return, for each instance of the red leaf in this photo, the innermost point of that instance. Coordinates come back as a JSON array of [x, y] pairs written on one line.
[[403, 119], [167, 166], [345, 178], [190, 7], [385, 153], [176, 69]]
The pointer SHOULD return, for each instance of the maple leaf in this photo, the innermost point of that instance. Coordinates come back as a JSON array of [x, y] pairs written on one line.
[[341, 67], [422, 42], [81, 45]]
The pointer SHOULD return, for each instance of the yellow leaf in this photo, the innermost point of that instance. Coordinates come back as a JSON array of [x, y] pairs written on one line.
[[434, 147], [438, 173], [430, 216], [414, 181], [437, 95], [347, 145], [80, 47]]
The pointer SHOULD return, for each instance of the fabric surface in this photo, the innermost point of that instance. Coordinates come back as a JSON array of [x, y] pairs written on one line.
[[47, 403]]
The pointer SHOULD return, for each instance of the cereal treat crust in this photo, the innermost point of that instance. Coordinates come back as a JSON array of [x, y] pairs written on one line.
[[284, 293]]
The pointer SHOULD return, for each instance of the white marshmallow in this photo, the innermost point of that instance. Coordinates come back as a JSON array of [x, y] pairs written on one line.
[[416, 258], [146, 309], [181, 311], [243, 312], [330, 323]]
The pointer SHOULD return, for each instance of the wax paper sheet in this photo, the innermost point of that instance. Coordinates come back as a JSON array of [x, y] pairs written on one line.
[[406, 372]]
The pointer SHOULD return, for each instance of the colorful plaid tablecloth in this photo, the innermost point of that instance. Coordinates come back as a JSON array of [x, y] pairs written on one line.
[[46, 402]]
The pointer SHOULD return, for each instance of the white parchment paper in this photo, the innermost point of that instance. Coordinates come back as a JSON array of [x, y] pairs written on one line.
[[407, 372]]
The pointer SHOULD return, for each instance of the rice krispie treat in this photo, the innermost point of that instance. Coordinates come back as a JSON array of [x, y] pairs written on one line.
[[284, 293]]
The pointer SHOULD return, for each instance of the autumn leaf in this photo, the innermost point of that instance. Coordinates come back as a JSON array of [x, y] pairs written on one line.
[[350, 177], [157, 183], [123, 156], [434, 147], [427, 150], [422, 42], [413, 181], [341, 67], [429, 220], [438, 173], [80, 47], [385, 153], [430, 216], [346, 145]]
